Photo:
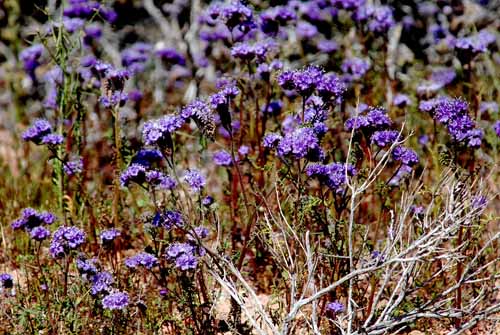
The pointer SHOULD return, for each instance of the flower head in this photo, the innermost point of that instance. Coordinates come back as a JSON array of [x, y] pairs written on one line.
[[116, 300], [144, 259], [195, 180], [66, 239]]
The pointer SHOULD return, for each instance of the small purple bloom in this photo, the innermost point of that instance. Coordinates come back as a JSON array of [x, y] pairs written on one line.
[[401, 100], [109, 235], [6, 280], [496, 128], [101, 283], [134, 173], [384, 138], [195, 180], [222, 158], [39, 233], [144, 259], [73, 167], [271, 140], [37, 131], [66, 239], [405, 155], [335, 307], [116, 300]]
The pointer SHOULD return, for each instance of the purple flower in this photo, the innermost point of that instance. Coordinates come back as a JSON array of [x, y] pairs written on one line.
[[303, 81], [355, 68], [144, 259], [177, 249], [305, 30], [146, 157], [335, 307], [114, 99], [171, 56], [92, 32], [134, 173], [73, 167], [39, 233], [116, 300], [327, 46], [405, 155], [30, 219], [488, 106], [479, 202], [200, 232], [53, 139], [86, 266], [101, 283], [6, 280], [37, 131], [332, 175], [401, 100], [195, 180], [271, 140], [31, 58], [222, 158], [402, 172], [109, 235], [186, 262], [243, 150], [158, 132], [443, 76], [66, 239], [375, 118], [381, 19], [168, 219], [207, 201], [496, 128], [236, 14], [330, 87], [72, 24], [384, 138], [299, 143]]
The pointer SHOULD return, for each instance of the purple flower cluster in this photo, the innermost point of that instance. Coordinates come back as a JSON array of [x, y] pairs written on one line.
[[141, 259], [168, 219], [31, 59], [374, 118], [6, 281], [300, 143], [135, 173], [86, 267], [222, 158], [378, 19], [85, 9], [33, 221], [332, 175], [109, 235], [468, 47], [384, 138], [275, 17], [354, 68], [102, 283], [41, 133], [66, 239], [309, 79], [135, 57], [405, 155], [453, 113], [170, 56], [115, 300], [73, 167], [335, 307], [195, 180], [184, 255]]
